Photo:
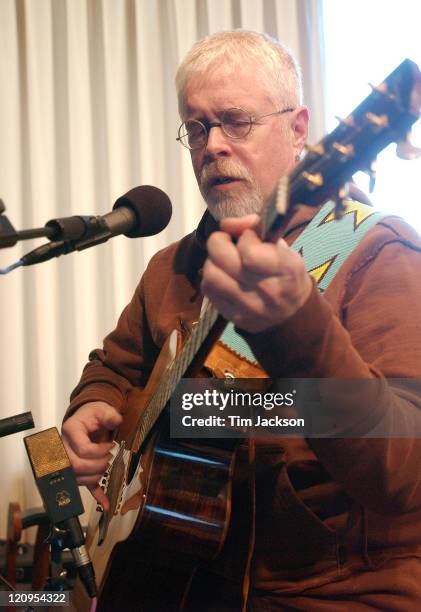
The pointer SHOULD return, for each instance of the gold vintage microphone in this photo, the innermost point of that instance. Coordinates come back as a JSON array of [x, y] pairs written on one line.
[[60, 495]]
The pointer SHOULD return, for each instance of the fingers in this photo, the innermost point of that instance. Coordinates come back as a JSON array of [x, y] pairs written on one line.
[[86, 438], [232, 273], [261, 259], [254, 284], [78, 439], [240, 259], [223, 253], [100, 496], [222, 290], [251, 260], [87, 431], [108, 416], [236, 226], [92, 466]]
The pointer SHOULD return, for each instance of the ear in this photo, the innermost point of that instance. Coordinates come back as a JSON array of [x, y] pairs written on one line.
[[299, 126]]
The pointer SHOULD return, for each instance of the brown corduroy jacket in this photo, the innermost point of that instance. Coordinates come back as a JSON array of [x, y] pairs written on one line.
[[338, 523]]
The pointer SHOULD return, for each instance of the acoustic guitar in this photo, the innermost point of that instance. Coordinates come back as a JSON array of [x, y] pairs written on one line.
[[172, 498]]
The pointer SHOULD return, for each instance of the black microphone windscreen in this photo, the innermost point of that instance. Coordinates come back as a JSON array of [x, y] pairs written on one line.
[[152, 208]]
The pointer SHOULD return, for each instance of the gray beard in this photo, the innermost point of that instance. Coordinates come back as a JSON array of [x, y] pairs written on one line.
[[229, 205], [225, 203]]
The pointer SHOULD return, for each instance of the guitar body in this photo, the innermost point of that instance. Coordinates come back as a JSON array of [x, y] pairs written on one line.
[[183, 520], [170, 505]]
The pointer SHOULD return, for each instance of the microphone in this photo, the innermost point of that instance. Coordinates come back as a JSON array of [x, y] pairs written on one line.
[[18, 422], [142, 211], [60, 495]]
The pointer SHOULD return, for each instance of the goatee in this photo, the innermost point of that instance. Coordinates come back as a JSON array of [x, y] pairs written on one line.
[[230, 203]]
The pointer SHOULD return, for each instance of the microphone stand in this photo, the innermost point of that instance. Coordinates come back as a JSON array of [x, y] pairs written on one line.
[[9, 236], [66, 235], [67, 232], [18, 422]]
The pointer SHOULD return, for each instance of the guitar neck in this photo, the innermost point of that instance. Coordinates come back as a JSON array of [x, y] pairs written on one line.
[[187, 363], [383, 117]]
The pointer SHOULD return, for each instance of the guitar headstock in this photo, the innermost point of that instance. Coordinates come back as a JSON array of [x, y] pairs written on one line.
[[385, 116]]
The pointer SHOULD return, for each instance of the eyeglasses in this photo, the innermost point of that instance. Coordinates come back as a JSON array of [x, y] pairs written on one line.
[[235, 123]]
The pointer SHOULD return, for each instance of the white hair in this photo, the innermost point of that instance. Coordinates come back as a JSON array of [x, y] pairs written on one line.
[[228, 50]]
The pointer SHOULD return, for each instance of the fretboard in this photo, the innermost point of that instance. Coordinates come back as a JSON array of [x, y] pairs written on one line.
[[176, 370]]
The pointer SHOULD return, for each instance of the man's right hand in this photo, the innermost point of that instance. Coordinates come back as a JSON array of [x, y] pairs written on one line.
[[86, 436]]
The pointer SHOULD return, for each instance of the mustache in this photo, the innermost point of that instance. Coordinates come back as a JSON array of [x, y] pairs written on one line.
[[220, 168]]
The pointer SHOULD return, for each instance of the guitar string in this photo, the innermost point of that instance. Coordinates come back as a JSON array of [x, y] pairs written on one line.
[[176, 371]]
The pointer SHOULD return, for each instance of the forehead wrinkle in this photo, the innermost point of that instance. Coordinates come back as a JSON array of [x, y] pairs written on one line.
[[225, 92]]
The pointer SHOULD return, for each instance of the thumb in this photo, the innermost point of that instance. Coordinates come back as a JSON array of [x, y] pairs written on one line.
[[109, 417], [236, 225]]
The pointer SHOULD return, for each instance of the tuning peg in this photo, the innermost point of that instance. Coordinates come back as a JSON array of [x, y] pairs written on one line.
[[344, 150], [378, 121], [348, 121], [406, 150], [314, 180], [382, 89], [317, 149], [339, 199]]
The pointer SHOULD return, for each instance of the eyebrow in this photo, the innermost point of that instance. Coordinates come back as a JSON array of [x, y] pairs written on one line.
[[218, 114]]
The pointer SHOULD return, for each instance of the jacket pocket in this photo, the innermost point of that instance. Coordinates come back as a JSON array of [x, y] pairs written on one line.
[[289, 536]]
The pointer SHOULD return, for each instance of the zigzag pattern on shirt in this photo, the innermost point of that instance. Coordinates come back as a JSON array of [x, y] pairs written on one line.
[[360, 211], [324, 245], [320, 271]]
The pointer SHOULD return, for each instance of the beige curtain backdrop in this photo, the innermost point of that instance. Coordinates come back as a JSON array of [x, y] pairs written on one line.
[[88, 111]]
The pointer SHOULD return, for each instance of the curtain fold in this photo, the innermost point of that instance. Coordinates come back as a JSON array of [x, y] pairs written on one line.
[[88, 110]]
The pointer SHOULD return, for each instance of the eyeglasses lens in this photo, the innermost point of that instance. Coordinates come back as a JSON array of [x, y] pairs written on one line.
[[236, 123], [193, 134]]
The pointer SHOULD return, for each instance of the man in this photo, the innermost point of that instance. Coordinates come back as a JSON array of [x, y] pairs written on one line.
[[336, 520]]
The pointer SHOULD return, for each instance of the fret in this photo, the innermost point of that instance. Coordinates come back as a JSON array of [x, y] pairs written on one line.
[[175, 371]]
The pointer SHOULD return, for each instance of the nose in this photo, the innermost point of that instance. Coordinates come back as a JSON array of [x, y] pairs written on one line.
[[219, 144]]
